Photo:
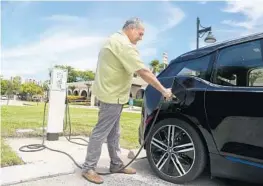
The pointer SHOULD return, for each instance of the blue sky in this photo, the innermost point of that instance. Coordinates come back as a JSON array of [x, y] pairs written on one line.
[[38, 35]]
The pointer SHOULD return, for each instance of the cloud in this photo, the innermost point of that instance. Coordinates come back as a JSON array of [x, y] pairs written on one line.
[[68, 41], [57, 43], [220, 34], [60, 48], [202, 2], [72, 46], [251, 21], [246, 25], [251, 10], [60, 18], [148, 52], [174, 15]]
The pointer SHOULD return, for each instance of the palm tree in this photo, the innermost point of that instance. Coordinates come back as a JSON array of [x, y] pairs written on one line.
[[162, 66], [155, 65]]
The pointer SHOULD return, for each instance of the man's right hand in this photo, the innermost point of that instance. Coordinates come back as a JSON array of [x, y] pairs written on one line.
[[167, 93], [150, 78]]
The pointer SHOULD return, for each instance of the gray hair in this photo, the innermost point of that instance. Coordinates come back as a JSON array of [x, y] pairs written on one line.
[[132, 23]]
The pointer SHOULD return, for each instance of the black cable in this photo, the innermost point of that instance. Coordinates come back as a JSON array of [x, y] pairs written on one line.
[[70, 131], [42, 146]]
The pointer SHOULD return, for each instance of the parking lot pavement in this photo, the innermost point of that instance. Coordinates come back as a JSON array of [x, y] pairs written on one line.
[[144, 176], [47, 167]]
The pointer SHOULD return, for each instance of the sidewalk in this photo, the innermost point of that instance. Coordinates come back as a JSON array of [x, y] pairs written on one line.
[[46, 163]]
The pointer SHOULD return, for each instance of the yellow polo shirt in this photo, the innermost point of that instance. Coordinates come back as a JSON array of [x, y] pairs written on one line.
[[117, 62]]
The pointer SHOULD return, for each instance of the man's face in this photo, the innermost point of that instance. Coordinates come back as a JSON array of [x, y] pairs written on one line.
[[136, 35]]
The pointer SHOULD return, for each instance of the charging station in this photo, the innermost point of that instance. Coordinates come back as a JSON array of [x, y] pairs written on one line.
[[57, 103]]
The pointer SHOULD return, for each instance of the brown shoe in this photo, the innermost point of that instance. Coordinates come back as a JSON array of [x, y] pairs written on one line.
[[127, 170], [93, 177]]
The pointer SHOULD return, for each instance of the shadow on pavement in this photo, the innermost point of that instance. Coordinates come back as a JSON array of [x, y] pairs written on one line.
[[142, 166], [230, 182]]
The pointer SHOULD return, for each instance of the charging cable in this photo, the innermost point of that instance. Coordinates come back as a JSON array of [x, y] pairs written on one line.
[[42, 146]]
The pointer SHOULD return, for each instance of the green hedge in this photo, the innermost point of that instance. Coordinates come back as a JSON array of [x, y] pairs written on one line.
[[138, 102], [76, 98]]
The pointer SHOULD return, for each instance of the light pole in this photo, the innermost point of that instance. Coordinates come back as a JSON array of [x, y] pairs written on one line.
[[209, 38]]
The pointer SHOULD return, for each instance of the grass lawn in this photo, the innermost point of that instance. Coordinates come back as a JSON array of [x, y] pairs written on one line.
[[8, 156], [82, 120]]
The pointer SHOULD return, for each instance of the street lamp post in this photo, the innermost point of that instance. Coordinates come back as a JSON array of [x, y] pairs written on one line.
[[209, 39]]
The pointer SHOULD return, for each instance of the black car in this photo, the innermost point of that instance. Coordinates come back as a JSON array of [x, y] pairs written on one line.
[[216, 119]]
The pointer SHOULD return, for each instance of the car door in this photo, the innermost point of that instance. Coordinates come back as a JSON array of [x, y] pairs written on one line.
[[234, 101]]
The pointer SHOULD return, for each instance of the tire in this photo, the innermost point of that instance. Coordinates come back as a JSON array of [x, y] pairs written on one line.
[[192, 144]]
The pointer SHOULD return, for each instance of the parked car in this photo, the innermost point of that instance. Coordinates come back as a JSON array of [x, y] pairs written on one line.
[[216, 119]]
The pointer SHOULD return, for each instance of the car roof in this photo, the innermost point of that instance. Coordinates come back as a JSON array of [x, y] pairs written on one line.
[[209, 49]]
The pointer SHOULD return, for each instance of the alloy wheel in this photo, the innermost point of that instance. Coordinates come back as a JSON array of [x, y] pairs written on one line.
[[172, 150]]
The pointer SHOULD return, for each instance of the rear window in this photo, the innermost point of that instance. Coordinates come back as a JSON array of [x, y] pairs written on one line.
[[196, 67]]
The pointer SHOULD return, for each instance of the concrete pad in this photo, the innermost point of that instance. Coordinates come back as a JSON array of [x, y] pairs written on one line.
[[24, 130], [144, 177], [46, 163], [78, 152], [30, 172]]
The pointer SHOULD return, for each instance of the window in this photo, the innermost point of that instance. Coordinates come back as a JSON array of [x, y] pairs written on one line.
[[196, 67], [256, 78], [234, 64]]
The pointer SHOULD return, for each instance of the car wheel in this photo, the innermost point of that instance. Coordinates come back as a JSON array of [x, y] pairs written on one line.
[[175, 151]]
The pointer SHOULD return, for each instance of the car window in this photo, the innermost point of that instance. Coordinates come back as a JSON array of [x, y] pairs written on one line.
[[171, 70], [196, 67], [256, 78], [234, 64]]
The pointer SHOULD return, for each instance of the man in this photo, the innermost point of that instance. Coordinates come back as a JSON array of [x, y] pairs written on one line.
[[117, 62]]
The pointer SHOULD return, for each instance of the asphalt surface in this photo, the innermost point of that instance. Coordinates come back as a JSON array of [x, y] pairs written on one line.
[[52, 168], [144, 176]]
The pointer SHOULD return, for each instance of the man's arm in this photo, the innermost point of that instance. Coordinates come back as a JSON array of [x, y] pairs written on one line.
[[131, 61], [150, 78]]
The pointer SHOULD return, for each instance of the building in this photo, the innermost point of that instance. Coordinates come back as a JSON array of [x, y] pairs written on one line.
[[29, 80], [84, 88]]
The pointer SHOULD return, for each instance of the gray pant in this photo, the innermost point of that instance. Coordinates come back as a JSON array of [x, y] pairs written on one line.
[[108, 127]]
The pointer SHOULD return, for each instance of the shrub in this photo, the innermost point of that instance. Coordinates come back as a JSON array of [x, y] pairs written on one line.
[[138, 102], [76, 98]]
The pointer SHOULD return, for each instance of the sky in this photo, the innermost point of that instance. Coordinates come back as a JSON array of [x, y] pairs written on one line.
[[36, 35]]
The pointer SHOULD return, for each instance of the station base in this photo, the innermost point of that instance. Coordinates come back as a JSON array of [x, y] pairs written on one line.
[[52, 136]]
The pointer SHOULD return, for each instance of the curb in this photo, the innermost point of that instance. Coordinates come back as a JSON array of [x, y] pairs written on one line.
[[31, 172]]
